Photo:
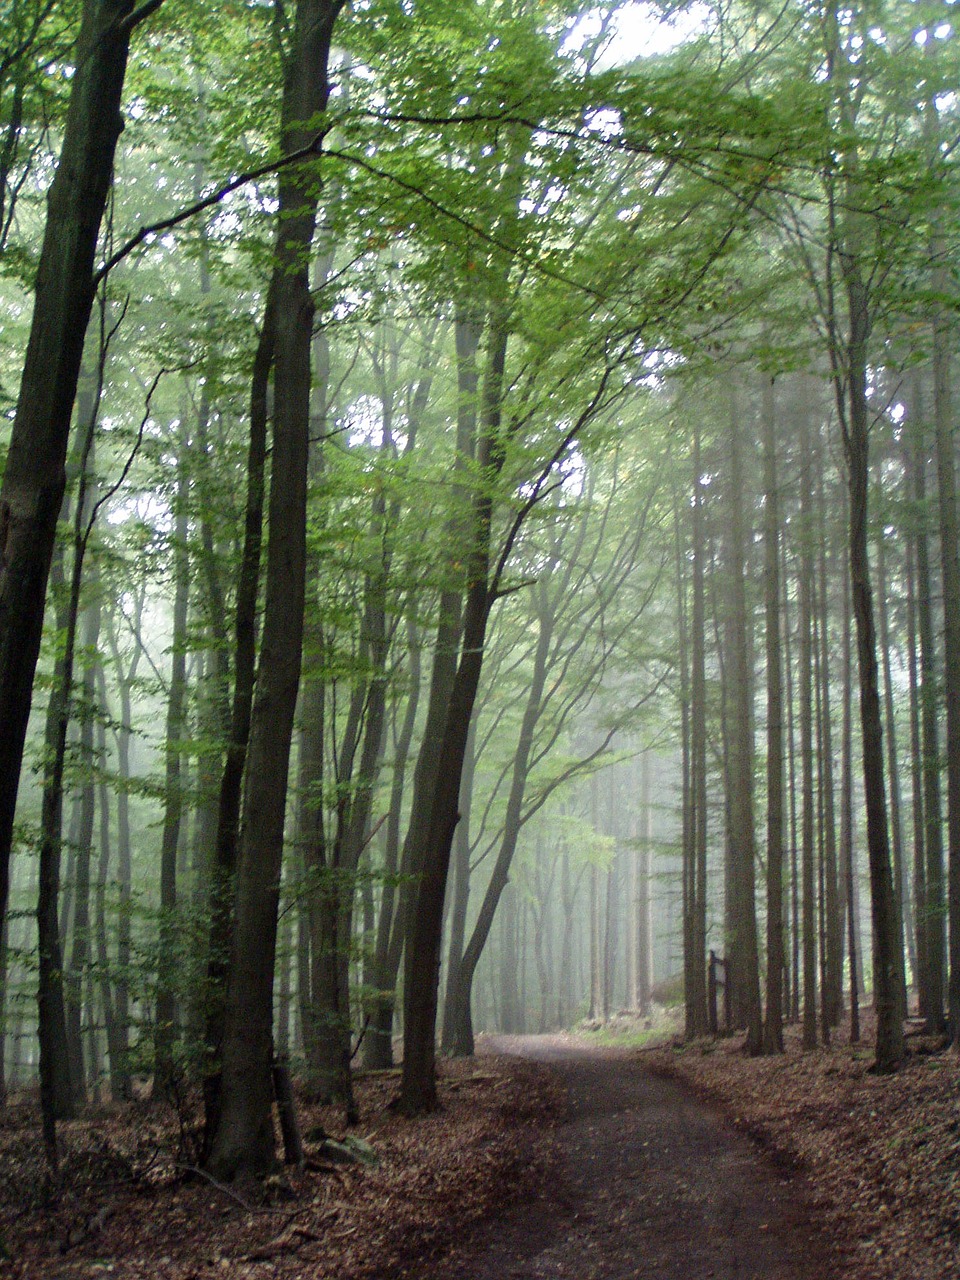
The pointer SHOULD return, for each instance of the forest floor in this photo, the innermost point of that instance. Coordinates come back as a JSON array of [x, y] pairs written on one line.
[[880, 1155], [551, 1157]]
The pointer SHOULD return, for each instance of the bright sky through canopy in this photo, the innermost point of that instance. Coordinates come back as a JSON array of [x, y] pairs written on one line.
[[638, 30]]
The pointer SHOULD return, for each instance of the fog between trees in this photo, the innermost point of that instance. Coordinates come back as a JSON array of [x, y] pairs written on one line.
[[479, 535]]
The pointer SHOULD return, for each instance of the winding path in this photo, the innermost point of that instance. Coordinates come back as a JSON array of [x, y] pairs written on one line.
[[652, 1183]]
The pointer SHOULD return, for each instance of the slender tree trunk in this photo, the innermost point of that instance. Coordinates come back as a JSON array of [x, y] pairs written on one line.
[[893, 765], [644, 905], [452, 1012], [773, 1024], [931, 912], [792, 909], [463, 1031], [696, 995], [166, 1007], [832, 994], [916, 764], [378, 1045], [847, 856], [888, 945], [116, 1041], [805, 695], [950, 577]]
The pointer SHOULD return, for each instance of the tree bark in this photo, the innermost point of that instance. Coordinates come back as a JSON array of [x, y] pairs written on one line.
[[742, 950], [773, 1023], [244, 1137], [34, 476], [166, 1004]]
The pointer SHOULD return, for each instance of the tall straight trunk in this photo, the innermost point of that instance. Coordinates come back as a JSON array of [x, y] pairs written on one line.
[[696, 969], [166, 1007], [116, 1042], [124, 735], [609, 940], [596, 994], [56, 1092], [742, 944], [34, 477], [930, 904], [244, 1138], [509, 964], [565, 998], [916, 764], [847, 854], [631, 905], [805, 697], [950, 577], [378, 1044], [832, 994], [900, 884], [889, 991], [61, 1054], [773, 1023], [792, 895], [222, 888], [847, 248], [644, 904], [686, 773], [78, 963]]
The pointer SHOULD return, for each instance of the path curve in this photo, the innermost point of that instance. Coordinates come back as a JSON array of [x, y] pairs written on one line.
[[652, 1182]]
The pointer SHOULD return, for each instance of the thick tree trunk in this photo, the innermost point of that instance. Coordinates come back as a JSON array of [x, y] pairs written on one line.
[[244, 1137], [34, 479], [222, 886]]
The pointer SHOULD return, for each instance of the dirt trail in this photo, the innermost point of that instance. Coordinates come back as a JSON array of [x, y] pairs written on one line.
[[651, 1183]]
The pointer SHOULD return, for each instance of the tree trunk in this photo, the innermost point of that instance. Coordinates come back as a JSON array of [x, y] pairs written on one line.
[[644, 911], [832, 956], [742, 944], [166, 1006], [805, 696], [888, 946], [696, 966], [773, 1024], [929, 880], [950, 576], [34, 478], [244, 1138]]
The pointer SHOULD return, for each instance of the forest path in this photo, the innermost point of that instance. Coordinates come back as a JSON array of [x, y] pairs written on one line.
[[652, 1182]]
